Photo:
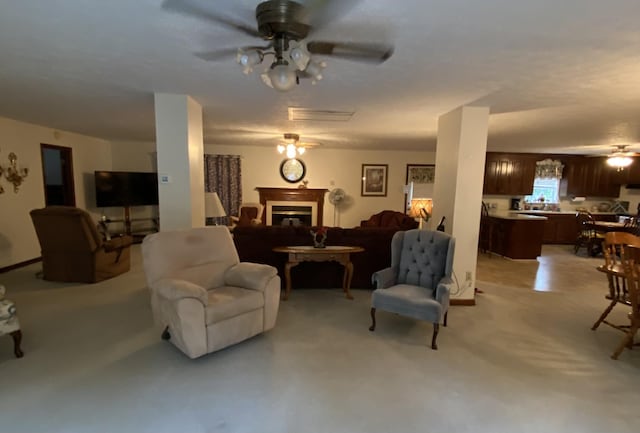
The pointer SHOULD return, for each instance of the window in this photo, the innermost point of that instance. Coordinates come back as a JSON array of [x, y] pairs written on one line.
[[544, 188]]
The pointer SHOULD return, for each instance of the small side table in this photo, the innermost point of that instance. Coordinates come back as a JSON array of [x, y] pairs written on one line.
[[340, 254], [9, 322]]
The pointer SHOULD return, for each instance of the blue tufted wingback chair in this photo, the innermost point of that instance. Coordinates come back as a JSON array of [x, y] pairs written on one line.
[[419, 281]]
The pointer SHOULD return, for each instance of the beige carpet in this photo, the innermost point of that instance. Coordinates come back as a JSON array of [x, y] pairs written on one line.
[[520, 361]]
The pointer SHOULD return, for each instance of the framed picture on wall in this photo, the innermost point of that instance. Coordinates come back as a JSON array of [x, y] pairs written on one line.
[[374, 180], [420, 173]]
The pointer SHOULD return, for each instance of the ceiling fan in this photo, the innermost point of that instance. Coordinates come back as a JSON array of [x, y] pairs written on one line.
[[285, 25], [293, 146], [620, 157]]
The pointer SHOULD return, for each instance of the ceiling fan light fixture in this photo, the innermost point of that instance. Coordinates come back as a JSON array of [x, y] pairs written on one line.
[[248, 59], [291, 151], [619, 162], [299, 55], [314, 69], [283, 78], [280, 148], [301, 150]]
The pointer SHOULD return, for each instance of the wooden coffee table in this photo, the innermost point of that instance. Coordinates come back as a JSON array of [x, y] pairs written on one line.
[[340, 254]]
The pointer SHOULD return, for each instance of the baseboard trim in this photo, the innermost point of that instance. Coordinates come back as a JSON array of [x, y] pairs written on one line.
[[464, 302], [20, 265]]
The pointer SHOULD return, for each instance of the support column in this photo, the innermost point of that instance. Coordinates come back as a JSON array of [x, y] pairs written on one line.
[[460, 158], [179, 144]]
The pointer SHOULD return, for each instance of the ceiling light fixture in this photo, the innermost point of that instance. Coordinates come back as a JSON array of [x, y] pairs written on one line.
[[291, 61], [620, 158], [293, 148], [619, 162]]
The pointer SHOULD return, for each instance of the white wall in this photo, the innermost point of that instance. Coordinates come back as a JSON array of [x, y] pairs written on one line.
[[328, 168], [18, 241]]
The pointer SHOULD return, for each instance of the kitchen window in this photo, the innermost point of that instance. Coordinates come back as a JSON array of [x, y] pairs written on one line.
[[545, 190]]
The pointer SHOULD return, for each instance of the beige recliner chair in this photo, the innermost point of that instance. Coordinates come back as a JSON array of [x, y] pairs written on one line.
[[201, 295]]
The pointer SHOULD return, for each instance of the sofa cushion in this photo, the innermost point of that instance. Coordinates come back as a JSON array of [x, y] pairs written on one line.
[[228, 301]]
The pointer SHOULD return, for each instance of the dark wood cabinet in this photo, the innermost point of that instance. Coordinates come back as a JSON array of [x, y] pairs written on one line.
[[509, 174], [559, 228], [631, 174], [591, 177], [514, 173], [562, 228], [516, 238]]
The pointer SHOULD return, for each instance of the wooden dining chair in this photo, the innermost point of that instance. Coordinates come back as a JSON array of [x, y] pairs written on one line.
[[614, 246], [587, 236], [485, 237], [631, 265]]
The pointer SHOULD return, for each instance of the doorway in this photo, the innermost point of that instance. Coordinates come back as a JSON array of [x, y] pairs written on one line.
[[57, 170]]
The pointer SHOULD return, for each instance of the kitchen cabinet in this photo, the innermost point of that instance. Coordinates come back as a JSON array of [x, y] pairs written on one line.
[[590, 177], [631, 174], [562, 228], [509, 173], [515, 236], [559, 229]]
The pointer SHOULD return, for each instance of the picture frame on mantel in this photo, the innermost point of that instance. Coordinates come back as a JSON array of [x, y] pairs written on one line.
[[374, 180]]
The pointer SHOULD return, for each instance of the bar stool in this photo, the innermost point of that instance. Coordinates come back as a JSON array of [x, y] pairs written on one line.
[[9, 324]]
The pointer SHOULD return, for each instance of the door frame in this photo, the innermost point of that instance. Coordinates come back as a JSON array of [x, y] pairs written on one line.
[[70, 188]]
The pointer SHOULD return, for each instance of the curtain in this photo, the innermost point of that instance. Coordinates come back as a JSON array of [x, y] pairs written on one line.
[[549, 169], [222, 174]]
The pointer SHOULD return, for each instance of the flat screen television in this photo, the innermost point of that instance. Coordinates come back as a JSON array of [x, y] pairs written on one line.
[[125, 188]]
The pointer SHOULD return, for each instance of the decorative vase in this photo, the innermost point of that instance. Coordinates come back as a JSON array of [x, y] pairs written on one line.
[[319, 237]]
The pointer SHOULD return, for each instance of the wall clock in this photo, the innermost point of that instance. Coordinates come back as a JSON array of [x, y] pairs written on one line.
[[292, 170]]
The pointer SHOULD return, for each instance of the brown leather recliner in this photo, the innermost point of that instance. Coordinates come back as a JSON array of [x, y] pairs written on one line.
[[391, 219], [73, 250]]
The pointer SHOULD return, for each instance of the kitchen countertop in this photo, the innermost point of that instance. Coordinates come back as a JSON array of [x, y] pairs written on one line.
[[516, 215], [564, 212]]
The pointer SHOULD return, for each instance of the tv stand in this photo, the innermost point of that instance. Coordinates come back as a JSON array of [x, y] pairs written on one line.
[[139, 233]]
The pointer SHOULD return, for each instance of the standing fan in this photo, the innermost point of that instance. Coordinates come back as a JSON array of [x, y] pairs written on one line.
[[336, 196]]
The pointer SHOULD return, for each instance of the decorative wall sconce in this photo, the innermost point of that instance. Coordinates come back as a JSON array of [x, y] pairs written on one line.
[[12, 173]]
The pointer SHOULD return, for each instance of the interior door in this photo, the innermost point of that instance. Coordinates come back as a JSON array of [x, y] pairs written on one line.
[[57, 169]]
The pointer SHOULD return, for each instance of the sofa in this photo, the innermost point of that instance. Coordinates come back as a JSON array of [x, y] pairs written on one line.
[[390, 218], [255, 244]]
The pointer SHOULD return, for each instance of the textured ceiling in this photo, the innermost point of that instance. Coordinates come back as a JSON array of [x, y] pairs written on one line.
[[558, 76]]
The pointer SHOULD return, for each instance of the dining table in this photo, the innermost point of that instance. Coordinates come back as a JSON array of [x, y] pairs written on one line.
[[612, 226]]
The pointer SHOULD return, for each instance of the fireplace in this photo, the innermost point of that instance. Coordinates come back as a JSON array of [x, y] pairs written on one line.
[[286, 213], [288, 206]]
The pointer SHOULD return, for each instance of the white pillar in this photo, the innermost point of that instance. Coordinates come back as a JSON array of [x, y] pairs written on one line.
[[460, 157], [180, 150]]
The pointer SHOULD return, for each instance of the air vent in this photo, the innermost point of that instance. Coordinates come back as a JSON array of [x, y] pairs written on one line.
[[299, 113]]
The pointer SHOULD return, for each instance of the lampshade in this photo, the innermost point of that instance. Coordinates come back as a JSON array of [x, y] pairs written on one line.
[[417, 206], [212, 205]]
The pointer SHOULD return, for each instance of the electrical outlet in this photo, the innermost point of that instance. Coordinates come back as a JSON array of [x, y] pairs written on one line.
[[469, 276]]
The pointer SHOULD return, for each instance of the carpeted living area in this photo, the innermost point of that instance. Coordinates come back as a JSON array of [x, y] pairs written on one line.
[[519, 361]]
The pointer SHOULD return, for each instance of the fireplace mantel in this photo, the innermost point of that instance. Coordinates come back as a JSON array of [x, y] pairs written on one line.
[[291, 195]]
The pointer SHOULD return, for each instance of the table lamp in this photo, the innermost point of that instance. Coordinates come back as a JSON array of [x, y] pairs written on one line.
[[213, 207], [421, 208]]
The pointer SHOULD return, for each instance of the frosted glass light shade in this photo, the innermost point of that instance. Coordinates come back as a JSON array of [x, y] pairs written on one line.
[[282, 77], [619, 161]]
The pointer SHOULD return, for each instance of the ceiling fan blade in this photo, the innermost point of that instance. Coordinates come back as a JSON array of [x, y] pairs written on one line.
[[187, 7], [213, 56], [362, 52], [225, 53], [320, 13]]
